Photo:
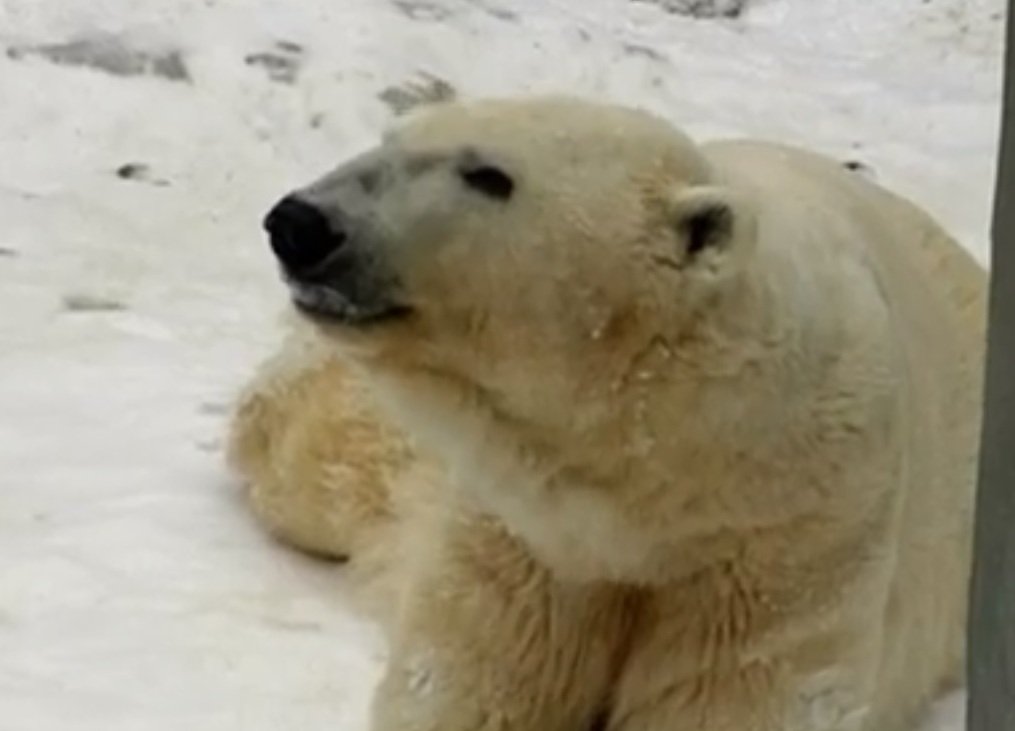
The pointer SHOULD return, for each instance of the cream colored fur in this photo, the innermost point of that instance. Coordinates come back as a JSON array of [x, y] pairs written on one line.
[[630, 488]]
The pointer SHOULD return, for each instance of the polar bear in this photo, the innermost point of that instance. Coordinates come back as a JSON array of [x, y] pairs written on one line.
[[625, 432]]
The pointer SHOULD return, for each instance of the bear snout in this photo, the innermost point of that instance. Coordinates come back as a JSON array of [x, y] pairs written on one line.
[[331, 270], [301, 236]]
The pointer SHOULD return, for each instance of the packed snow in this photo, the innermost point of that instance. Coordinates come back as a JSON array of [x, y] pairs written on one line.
[[142, 140]]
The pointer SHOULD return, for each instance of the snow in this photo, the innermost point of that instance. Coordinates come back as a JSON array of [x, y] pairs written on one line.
[[135, 591]]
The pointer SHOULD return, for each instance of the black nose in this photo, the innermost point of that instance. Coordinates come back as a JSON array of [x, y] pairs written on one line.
[[301, 235]]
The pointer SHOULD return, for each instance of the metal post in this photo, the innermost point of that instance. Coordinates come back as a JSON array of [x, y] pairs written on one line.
[[991, 660]]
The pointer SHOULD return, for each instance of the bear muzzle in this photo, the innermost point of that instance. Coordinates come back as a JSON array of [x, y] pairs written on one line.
[[329, 273]]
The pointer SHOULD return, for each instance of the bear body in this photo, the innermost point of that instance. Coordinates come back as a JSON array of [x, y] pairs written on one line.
[[624, 432]]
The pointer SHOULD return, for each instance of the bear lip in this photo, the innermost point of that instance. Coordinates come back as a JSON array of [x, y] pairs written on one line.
[[322, 302]]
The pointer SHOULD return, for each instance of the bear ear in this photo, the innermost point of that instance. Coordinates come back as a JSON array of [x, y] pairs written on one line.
[[715, 230]]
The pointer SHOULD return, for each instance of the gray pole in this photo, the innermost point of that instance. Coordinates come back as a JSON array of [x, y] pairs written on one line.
[[991, 659]]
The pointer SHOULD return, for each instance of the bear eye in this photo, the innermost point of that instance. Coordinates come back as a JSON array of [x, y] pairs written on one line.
[[489, 181]]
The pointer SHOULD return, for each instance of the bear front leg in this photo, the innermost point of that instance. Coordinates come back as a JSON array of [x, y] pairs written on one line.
[[489, 641], [317, 459], [729, 664]]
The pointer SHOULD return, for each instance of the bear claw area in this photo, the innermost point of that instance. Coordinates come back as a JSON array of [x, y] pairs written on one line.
[[141, 145]]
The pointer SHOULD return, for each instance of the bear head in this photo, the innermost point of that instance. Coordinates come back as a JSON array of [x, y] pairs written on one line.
[[527, 251]]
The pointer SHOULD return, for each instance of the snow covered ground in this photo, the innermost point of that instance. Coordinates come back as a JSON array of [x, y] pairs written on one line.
[[140, 143]]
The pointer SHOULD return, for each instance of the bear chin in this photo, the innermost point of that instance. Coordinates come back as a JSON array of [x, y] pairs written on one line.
[[320, 303]]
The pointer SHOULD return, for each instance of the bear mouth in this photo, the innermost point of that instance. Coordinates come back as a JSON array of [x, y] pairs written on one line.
[[320, 302]]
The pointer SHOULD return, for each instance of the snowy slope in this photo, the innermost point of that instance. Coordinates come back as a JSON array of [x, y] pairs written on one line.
[[135, 593]]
